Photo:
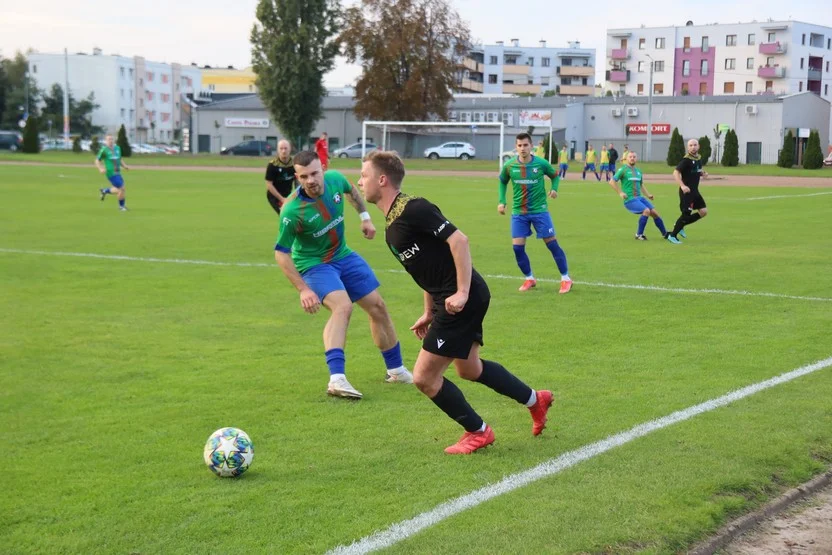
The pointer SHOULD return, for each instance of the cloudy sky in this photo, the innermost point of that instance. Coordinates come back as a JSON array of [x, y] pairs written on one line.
[[216, 32]]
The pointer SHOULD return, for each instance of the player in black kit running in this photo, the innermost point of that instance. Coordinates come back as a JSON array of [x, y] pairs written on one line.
[[436, 254]]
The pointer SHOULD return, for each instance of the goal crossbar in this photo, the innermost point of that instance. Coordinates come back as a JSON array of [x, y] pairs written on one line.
[[384, 124]]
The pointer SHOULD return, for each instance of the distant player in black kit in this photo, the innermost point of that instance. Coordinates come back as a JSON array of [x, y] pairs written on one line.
[[280, 176], [691, 203], [436, 254]]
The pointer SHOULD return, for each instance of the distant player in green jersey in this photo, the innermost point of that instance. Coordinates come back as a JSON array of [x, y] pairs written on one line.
[[312, 252], [636, 195], [113, 164], [528, 174]]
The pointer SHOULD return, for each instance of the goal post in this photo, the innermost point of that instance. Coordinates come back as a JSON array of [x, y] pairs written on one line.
[[439, 131]]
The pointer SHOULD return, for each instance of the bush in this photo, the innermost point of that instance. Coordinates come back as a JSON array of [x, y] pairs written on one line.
[[76, 145], [705, 149], [731, 154], [786, 157], [31, 141], [123, 143], [813, 157], [676, 151], [95, 146], [554, 159]]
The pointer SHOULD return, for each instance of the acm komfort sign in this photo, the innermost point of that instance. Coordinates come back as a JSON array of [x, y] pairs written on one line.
[[255, 123]]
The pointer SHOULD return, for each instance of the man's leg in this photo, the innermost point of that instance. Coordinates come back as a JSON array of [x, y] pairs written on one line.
[[335, 338], [385, 338], [121, 199], [521, 228]]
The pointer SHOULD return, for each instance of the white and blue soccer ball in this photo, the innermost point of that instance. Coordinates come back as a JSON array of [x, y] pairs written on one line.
[[229, 452]]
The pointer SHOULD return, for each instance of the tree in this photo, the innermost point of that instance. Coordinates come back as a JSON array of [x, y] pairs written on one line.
[[705, 149], [76, 144], [80, 113], [95, 146], [786, 157], [293, 45], [123, 143], [608, 93], [676, 151], [731, 153], [14, 92], [31, 141], [554, 158], [813, 157], [409, 52]]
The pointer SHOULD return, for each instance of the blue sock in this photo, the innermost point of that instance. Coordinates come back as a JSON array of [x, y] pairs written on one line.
[[522, 259], [393, 357], [105, 191], [559, 256], [642, 223], [121, 202], [660, 224], [336, 361]]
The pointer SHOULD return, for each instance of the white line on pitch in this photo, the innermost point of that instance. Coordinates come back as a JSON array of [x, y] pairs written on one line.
[[791, 196], [656, 288], [407, 528]]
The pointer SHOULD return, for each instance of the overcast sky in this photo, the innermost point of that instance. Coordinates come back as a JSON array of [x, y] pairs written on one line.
[[216, 32]]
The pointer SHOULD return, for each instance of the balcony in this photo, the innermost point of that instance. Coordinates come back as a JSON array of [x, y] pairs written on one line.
[[472, 65], [770, 48], [576, 90], [815, 74], [576, 71], [620, 53], [509, 69], [618, 76], [469, 85], [771, 72], [508, 88]]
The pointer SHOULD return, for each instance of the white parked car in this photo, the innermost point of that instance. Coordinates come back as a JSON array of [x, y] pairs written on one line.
[[454, 149], [508, 155]]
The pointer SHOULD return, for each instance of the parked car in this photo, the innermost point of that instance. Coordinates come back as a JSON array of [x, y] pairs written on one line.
[[463, 151], [55, 144], [249, 148], [508, 155], [11, 140], [353, 150]]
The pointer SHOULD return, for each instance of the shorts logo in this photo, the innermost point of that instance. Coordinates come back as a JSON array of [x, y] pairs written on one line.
[[336, 198], [439, 343]]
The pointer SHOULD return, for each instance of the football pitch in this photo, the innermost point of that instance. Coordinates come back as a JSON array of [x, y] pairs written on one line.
[[128, 338]]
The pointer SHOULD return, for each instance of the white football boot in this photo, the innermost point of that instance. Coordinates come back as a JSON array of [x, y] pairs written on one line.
[[340, 387]]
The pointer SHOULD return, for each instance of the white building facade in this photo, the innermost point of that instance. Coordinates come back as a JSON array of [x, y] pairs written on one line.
[[516, 69], [143, 96]]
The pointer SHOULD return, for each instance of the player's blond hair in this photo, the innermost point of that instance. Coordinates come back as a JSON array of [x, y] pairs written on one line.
[[388, 163]]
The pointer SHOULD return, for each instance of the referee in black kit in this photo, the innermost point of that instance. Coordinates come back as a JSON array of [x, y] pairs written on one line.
[[280, 176], [436, 254], [687, 174]]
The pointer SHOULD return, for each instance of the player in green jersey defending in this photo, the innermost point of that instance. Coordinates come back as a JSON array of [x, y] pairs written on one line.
[[636, 195], [112, 167], [527, 174], [312, 252]]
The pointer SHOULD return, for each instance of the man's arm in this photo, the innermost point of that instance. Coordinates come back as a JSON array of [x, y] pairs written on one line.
[[273, 190], [615, 187], [461, 253], [645, 192], [308, 299], [355, 198], [677, 175]]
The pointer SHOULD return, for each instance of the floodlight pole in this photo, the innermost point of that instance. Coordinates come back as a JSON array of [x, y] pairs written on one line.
[[649, 147]]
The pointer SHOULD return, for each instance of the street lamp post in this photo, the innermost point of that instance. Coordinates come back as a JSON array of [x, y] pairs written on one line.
[[649, 148]]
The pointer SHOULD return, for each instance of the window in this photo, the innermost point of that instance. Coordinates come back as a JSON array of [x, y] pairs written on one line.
[[492, 60], [749, 63], [642, 44], [704, 44], [686, 68], [703, 89], [749, 87], [769, 86], [177, 87], [803, 40], [510, 60], [731, 40], [530, 81], [801, 63], [122, 93], [640, 89], [685, 89], [658, 67], [728, 87], [123, 111], [829, 44], [132, 113], [141, 122], [141, 103], [686, 44], [131, 73], [730, 63], [703, 68], [658, 88], [150, 76], [165, 78], [827, 67], [641, 67], [141, 82], [131, 94], [492, 79], [751, 39], [122, 71], [825, 90], [531, 62], [544, 81], [545, 62], [770, 61], [800, 86], [660, 42]]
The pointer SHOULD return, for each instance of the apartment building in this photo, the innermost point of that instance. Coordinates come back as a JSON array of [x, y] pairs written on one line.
[[142, 95], [772, 57], [514, 69]]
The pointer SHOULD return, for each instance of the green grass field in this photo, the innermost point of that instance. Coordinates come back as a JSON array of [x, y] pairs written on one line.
[[58, 157], [113, 373]]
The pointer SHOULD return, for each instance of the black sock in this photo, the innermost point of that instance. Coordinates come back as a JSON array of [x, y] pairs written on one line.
[[452, 402], [685, 220], [495, 376], [693, 218]]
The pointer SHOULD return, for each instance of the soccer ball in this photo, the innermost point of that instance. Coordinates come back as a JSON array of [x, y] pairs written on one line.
[[228, 452]]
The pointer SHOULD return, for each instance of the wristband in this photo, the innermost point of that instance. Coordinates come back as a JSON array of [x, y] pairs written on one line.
[[364, 216]]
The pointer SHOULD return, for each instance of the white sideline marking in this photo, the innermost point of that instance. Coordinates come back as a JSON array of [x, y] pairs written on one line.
[[489, 276], [791, 196], [406, 528]]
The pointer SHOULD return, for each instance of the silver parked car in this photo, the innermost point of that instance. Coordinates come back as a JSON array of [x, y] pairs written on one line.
[[353, 150]]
